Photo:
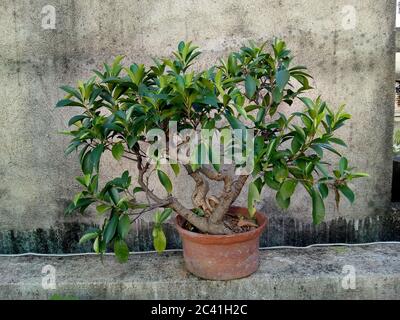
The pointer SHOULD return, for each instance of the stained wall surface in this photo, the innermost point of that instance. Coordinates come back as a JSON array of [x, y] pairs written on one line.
[[347, 45]]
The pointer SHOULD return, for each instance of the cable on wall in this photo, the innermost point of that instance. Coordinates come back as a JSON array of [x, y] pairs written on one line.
[[317, 245]]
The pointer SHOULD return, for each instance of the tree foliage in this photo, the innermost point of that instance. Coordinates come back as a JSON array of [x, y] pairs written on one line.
[[119, 105]]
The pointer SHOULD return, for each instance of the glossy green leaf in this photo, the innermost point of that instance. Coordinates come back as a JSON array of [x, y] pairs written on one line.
[[282, 78], [88, 236], [165, 181], [234, 122], [250, 86], [118, 151], [87, 164], [253, 196], [96, 155], [343, 163], [124, 226], [110, 228], [287, 188], [72, 92], [99, 245], [277, 95], [323, 189], [347, 192], [75, 119], [175, 167], [280, 173], [318, 207], [114, 194], [68, 103], [121, 250], [102, 208], [165, 215], [159, 239], [283, 203]]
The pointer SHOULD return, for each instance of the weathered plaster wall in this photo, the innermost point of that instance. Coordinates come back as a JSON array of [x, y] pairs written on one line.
[[350, 53]]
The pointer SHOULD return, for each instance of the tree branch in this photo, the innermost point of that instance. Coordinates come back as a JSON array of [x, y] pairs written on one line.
[[227, 198]]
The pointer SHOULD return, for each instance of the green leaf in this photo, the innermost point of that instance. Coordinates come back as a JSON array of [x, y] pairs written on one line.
[[323, 189], [347, 192], [165, 181], [270, 181], [218, 84], [330, 148], [296, 144], [124, 225], [338, 141], [280, 173], [95, 156], [271, 147], [117, 151], [96, 245], [287, 188], [99, 246], [159, 239], [318, 207], [234, 122], [250, 86], [103, 208], [282, 78], [85, 180], [76, 198], [111, 227], [308, 102], [114, 194], [277, 95], [87, 164], [94, 184], [137, 189], [131, 140], [81, 204], [253, 196], [72, 92], [68, 103], [181, 46], [283, 203], [198, 212], [359, 175], [165, 215], [175, 167], [76, 119], [260, 115], [72, 147], [343, 163], [88, 236], [121, 250]]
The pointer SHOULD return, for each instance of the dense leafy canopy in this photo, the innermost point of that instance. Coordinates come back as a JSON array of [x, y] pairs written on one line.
[[120, 105]]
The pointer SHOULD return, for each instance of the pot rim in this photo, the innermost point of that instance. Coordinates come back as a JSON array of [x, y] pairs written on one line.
[[227, 238]]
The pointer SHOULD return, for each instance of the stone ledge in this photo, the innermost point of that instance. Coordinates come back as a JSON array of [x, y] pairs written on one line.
[[314, 273]]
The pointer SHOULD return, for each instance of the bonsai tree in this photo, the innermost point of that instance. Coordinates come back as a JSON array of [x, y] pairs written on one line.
[[120, 106]]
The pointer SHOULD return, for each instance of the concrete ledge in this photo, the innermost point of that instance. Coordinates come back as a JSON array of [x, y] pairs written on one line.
[[315, 273]]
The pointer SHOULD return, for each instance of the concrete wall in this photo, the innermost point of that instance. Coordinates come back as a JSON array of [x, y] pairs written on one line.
[[348, 46]]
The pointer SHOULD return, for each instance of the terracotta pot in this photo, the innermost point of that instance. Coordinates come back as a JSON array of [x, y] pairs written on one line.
[[222, 257]]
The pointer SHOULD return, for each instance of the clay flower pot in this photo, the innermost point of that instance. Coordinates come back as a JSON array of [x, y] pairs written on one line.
[[222, 257]]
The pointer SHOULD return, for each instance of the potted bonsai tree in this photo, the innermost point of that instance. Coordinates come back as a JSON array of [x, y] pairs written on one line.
[[234, 111]]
